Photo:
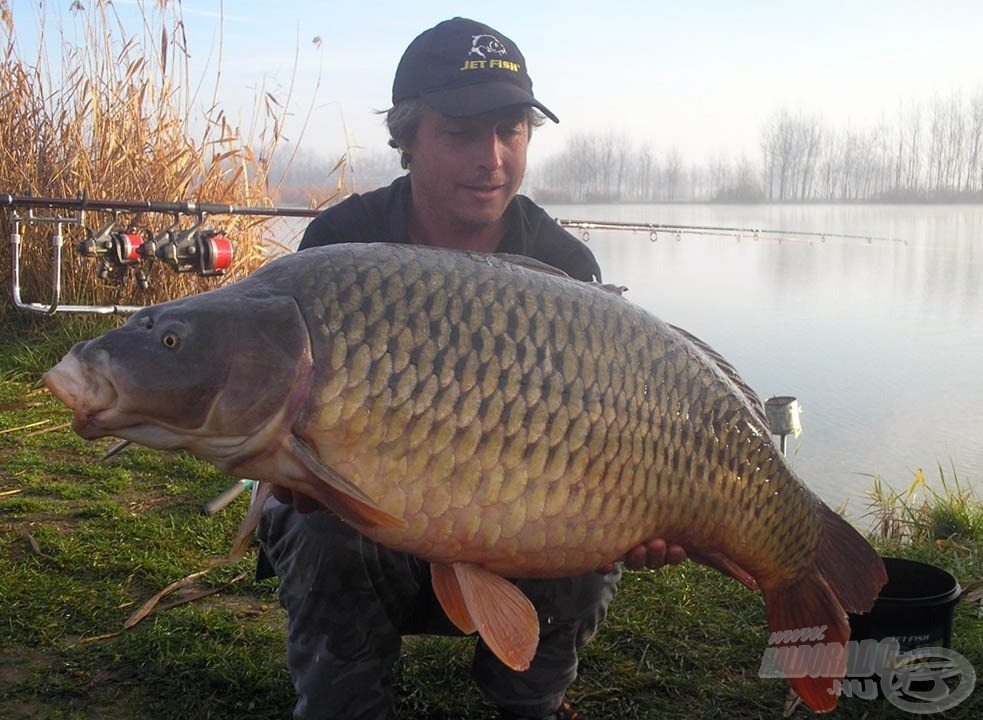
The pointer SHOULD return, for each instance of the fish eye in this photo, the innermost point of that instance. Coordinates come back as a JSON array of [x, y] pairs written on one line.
[[170, 340]]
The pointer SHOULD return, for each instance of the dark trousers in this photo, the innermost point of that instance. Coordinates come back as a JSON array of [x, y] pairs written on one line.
[[349, 601]]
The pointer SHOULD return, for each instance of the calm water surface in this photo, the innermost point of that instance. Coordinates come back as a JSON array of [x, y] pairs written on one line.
[[881, 342]]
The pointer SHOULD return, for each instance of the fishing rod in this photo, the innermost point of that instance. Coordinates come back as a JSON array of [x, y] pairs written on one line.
[[207, 208], [209, 253], [83, 203], [654, 229]]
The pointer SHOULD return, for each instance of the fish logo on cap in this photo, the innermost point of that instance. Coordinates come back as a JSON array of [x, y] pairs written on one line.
[[481, 44]]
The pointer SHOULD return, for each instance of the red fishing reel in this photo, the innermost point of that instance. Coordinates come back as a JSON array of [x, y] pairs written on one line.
[[117, 247], [116, 250], [206, 252]]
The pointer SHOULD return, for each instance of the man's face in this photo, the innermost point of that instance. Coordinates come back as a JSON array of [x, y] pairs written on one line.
[[466, 170]]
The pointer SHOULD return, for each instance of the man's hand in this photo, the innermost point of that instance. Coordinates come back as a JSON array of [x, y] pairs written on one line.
[[651, 554]]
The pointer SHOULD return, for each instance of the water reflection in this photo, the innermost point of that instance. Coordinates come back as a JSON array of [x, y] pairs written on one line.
[[881, 341]]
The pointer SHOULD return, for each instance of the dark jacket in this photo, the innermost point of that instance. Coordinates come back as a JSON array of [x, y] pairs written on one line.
[[383, 216]]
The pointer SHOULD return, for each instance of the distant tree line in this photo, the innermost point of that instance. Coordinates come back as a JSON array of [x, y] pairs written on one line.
[[925, 154]]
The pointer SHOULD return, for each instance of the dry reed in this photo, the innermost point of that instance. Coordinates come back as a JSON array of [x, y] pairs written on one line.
[[114, 117]]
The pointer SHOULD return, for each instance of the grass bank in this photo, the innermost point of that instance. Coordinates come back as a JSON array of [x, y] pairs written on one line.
[[84, 544]]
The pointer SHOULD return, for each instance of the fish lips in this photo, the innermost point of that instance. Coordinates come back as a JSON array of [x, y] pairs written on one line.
[[65, 381], [87, 391]]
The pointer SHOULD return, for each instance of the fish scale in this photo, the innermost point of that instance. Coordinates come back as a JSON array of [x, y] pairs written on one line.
[[487, 414]]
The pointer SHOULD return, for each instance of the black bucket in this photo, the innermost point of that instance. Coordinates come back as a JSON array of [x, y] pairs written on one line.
[[915, 607], [913, 610]]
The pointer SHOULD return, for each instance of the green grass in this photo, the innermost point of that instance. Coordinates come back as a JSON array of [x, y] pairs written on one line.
[[84, 544], [945, 512]]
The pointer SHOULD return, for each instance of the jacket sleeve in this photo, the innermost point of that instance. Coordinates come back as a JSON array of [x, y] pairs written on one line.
[[322, 230], [373, 216], [554, 245]]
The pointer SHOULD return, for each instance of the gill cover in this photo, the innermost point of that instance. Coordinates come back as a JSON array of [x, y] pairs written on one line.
[[219, 363]]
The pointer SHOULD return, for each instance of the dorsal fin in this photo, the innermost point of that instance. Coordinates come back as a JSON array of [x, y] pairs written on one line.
[[532, 264], [754, 402]]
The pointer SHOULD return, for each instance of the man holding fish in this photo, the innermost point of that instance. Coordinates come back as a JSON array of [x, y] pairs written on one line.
[[468, 418], [462, 115]]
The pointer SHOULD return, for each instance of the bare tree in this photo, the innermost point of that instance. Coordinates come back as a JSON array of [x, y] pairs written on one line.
[[790, 147], [946, 130], [811, 135], [646, 170], [973, 180], [673, 175], [914, 169]]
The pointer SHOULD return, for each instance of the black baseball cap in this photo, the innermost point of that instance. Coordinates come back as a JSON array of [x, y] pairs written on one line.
[[462, 68]]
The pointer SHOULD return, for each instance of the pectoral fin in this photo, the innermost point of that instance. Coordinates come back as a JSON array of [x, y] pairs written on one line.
[[341, 496], [250, 522], [719, 561], [448, 592], [475, 598]]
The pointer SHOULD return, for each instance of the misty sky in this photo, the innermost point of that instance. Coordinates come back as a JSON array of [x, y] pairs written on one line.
[[700, 76]]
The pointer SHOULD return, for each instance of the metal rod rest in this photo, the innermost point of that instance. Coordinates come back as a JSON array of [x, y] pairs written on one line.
[[57, 241]]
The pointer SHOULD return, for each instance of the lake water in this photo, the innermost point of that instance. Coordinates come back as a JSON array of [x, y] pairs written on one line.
[[880, 341]]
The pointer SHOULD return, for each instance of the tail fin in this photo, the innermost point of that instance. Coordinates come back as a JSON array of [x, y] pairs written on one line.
[[808, 619], [850, 565]]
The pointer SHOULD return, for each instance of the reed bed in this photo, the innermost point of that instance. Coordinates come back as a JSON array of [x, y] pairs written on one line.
[[117, 116]]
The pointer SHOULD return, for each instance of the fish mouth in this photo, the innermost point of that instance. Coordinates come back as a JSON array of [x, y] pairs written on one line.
[[65, 381], [88, 394]]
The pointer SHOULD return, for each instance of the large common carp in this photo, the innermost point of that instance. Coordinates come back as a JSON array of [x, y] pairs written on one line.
[[485, 413]]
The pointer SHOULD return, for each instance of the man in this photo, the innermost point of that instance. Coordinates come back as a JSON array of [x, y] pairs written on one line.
[[462, 115]]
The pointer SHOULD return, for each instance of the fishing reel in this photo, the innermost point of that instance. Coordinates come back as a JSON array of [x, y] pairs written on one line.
[[205, 252], [115, 249]]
